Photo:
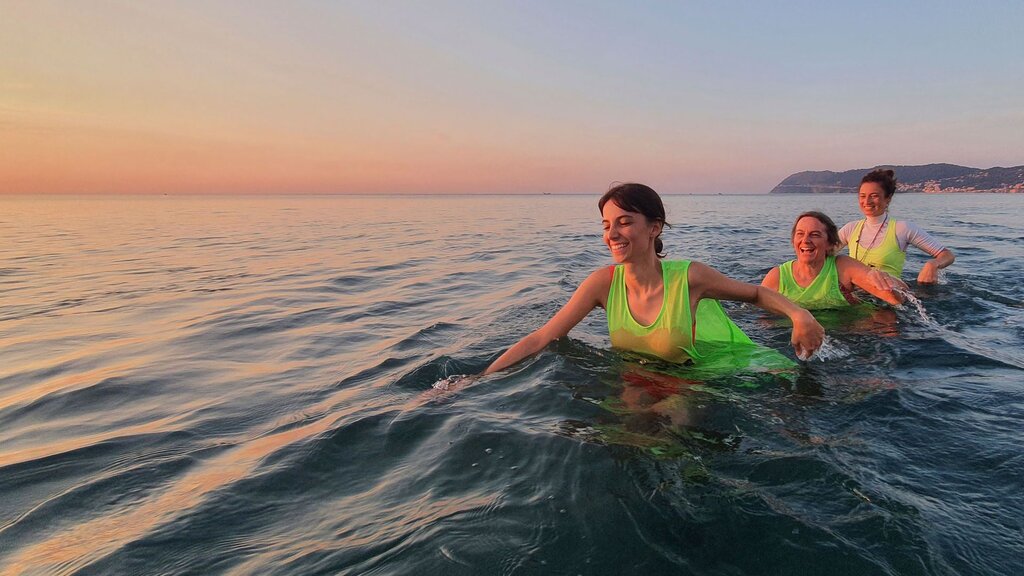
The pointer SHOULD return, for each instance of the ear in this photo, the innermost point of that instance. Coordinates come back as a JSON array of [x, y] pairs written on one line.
[[656, 229]]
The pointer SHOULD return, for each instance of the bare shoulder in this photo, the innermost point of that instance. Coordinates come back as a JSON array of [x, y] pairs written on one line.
[[600, 278], [706, 282], [596, 286], [844, 262], [699, 270], [700, 274], [771, 279]]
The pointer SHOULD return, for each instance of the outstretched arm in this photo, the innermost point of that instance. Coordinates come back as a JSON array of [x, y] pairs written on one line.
[[590, 294], [930, 271], [875, 282], [706, 282]]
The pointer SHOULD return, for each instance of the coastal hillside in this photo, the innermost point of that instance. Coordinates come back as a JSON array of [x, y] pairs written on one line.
[[931, 178]]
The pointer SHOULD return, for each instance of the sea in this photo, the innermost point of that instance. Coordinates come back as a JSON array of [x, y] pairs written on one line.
[[288, 385]]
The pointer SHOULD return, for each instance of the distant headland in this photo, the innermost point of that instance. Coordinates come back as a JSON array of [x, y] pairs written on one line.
[[929, 178]]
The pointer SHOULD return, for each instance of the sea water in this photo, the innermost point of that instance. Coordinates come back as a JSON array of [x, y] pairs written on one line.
[[246, 385]]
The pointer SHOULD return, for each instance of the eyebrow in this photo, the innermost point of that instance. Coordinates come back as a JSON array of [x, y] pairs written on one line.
[[605, 220]]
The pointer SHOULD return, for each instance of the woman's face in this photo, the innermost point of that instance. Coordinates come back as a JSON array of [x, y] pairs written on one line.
[[810, 241], [628, 235], [872, 199]]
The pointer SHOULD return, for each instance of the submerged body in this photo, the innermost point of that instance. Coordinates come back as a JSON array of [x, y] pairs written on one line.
[[823, 292], [675, 333], [818, 279], [881, 242]]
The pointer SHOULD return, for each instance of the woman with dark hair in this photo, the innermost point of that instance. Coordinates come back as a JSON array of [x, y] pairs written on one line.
[[881, 242], [819, 279], [657, 307]]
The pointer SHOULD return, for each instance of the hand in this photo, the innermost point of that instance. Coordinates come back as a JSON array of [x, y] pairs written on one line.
[[447, 385], [807, 335], [885, 282], [929, 273], [455, 382], [888, 284]]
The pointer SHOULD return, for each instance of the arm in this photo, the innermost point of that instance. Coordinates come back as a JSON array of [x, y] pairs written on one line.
[[930, 271], [941, 256], [771, 279], [591, 293], [706, 282], [874, 282]]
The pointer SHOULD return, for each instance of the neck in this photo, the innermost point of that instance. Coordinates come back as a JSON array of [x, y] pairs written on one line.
[[877, 220], [644, 275], [808, 269]]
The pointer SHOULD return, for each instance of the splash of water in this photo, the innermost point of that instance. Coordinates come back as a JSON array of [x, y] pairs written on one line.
[[909, 297], [829, 350], [452, 382], [957, 339]]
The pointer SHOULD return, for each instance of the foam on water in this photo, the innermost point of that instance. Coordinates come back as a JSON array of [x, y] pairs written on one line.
[[959, 340], [909, 296], [453, 382], [829, 350]]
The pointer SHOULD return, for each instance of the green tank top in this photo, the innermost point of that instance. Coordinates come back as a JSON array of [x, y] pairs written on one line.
[[887, 256], [822, 293], [674, 335]]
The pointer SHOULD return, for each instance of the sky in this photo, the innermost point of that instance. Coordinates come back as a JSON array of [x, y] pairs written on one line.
[[496, 97]]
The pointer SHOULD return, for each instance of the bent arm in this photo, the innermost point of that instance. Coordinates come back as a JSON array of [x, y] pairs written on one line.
[[706, 282], [930, 271], [874, 282], [941, 256], [590, 294]]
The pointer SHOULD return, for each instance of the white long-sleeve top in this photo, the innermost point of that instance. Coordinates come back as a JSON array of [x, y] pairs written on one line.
[[907, 233]]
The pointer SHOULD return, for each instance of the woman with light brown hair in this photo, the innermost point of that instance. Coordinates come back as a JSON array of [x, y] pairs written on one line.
[[817, 278]]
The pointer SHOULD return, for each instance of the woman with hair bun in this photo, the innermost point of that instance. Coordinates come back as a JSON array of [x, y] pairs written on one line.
[[657, 307], [817, 279], [881, 242]]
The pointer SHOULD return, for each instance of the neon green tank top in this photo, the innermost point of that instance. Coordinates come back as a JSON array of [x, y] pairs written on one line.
[[822, 293], [671, 335], [887, 256]]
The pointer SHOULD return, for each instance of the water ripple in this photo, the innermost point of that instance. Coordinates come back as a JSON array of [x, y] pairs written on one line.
[[248, 385]]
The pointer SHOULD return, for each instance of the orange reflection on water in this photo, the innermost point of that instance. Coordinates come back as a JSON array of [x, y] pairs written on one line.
[[77, 546], [75, 380], [79, 442]]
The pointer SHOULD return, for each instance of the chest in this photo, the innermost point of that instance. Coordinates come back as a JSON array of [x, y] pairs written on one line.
[[645, 307]]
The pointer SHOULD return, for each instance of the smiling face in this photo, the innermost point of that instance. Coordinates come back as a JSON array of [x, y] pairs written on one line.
[[872, 199], [810, 241], [629, 235]]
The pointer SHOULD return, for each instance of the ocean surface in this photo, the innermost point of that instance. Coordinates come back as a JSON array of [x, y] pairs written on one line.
[[255, 385]]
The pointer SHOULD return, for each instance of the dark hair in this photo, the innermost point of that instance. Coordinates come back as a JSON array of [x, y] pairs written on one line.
[[883, 177], [831, 231], [641, 199]]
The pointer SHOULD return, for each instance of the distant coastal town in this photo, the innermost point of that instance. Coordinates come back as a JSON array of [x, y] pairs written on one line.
[[927, 179]]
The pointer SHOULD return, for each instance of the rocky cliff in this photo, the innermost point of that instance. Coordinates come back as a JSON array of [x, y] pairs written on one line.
[[927, 178]]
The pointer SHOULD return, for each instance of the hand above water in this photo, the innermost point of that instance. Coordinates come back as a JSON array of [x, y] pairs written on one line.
[[889, 288], [807, 335], [929, 273]]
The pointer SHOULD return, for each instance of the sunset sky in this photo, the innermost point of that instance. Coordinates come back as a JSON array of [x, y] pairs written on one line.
[[497, 97]]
